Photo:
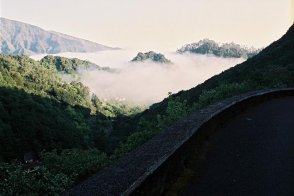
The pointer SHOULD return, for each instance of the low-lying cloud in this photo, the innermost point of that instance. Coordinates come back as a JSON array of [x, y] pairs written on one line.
[[148, 82]]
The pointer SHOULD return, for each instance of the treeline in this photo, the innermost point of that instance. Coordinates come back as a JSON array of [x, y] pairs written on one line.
[[70, 65], [226, 50]]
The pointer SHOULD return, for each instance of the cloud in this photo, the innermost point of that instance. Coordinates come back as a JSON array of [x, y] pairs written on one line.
[[148, 82]]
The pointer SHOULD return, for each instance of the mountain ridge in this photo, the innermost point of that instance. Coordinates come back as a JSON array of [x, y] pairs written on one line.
[[151, 55], [71, 65], [20, 38], [226, 50]]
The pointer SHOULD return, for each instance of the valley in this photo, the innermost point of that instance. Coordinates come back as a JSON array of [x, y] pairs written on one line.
[[70, 107]]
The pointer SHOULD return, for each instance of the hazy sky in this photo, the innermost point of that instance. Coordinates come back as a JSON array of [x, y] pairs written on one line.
[[157, 24]]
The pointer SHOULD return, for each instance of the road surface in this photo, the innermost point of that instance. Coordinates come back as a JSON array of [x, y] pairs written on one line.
[[251, 155]]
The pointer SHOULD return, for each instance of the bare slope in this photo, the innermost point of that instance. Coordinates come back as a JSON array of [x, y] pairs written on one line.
[[20, 38]]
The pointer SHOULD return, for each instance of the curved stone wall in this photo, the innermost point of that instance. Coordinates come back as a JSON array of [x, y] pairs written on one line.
[[151, 168]]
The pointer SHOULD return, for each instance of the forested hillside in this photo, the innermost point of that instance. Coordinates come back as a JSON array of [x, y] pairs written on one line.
[[73, 134], [70, 66], [40, 113]]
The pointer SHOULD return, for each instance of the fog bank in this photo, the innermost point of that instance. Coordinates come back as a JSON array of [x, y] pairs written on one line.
[[147, 82]]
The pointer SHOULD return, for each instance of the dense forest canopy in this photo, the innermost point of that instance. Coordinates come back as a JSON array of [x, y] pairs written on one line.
[[35, 102]]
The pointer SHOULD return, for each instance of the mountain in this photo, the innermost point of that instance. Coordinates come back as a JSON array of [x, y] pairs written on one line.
[[152, 56], [20, 38], [227, 50], [70, 65]]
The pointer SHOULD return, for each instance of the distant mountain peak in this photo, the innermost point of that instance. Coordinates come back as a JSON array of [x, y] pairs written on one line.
[[226, 50], [152, 56], [21, 38]]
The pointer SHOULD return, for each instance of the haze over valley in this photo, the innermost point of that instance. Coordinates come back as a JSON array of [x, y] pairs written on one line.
[[139, 78], [138, 73], [138, 82]]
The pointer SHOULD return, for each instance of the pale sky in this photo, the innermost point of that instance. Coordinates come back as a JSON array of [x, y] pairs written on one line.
[[157, 24]]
